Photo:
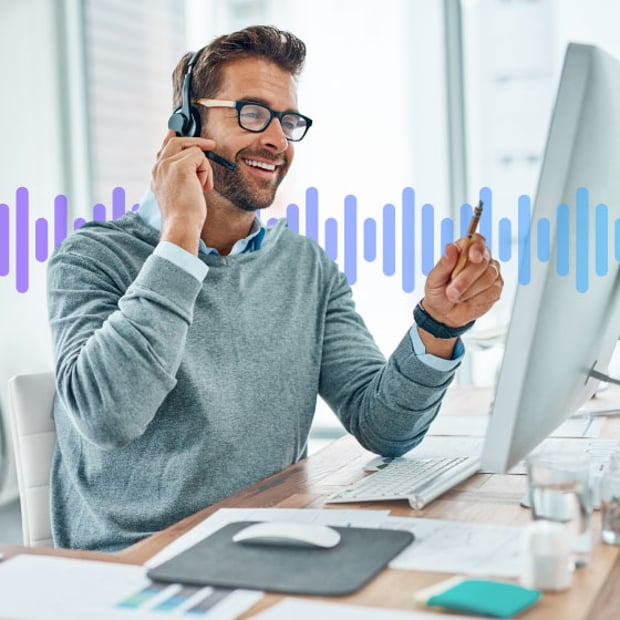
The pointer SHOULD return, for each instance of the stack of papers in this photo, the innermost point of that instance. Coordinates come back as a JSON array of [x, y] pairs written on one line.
[[48, 587]]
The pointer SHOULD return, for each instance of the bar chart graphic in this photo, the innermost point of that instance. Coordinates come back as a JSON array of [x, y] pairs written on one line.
[[406, 238], [180, 600]]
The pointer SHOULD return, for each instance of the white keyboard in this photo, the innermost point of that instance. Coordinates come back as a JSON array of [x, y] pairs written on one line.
[[418, 480]]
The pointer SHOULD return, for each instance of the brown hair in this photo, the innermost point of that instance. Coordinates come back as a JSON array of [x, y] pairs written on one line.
[[280, 47]]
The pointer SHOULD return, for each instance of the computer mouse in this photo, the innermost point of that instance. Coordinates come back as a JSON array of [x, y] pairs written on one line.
[[288, 534]]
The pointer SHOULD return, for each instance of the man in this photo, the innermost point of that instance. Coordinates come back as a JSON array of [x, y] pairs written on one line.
[[191, 341]]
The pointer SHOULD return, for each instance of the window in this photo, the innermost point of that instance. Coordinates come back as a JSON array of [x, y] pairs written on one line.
[[131, 49]]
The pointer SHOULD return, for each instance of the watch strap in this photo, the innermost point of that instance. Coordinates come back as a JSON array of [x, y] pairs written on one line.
[[440, 330]]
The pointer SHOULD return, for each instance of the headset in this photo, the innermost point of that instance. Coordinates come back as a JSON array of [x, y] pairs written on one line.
[[185, 121]]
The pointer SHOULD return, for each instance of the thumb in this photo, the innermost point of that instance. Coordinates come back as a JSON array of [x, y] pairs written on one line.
[[441, 273]]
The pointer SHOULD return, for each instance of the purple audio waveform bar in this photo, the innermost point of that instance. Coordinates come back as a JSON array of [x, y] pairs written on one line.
[[41, 231], [572, 234]]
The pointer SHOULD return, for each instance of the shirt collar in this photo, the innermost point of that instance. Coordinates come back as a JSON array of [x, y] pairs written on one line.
[[150, 213]]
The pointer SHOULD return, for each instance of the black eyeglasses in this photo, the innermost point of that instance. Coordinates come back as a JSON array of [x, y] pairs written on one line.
[[255, 117]]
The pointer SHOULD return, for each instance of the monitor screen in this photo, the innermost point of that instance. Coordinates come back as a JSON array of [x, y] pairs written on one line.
[[566, 314]]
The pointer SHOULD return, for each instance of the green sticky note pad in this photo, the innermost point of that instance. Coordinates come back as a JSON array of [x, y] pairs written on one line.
[[482, 597]]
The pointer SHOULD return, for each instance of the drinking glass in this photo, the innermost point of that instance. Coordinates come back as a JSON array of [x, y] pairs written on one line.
[[610, 507], [559, 492]]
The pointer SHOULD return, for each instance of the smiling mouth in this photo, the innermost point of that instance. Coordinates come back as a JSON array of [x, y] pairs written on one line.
[[261, 165]]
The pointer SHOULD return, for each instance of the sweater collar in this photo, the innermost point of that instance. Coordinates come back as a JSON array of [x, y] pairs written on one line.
[[150, 213]]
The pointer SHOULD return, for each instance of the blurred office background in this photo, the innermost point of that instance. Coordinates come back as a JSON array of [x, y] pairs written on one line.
[[444, 96]]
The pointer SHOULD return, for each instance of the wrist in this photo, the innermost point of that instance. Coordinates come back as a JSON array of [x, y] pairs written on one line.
[[181, 234], [425, 321], [439, 347]]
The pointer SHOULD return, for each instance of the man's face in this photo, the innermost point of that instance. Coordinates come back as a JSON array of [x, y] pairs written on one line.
[[251, 187]]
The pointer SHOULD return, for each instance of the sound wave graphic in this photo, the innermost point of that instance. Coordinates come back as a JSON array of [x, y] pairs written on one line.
[[41, 231], [363, 238], [428, 255]]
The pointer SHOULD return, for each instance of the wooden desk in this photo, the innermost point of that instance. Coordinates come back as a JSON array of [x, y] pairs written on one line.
[[484, 498]]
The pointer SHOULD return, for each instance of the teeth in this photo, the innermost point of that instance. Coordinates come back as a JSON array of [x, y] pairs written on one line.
[[260, 164]]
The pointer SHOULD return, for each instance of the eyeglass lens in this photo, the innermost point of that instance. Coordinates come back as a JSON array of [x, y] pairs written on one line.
[[255, 117]]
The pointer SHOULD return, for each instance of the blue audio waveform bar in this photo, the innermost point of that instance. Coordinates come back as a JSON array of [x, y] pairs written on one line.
[[365, 239], [428, 253]]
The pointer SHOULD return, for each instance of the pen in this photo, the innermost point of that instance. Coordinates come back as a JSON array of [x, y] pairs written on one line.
[[473, 224], [218, 159]]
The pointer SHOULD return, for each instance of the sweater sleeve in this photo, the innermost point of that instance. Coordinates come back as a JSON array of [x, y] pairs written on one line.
[[387, 406], [117, 346]]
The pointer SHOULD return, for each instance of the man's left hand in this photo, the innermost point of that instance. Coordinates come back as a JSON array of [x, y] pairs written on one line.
[[472, 293]]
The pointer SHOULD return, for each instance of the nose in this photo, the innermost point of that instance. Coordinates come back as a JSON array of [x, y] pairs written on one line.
[[273, 136]]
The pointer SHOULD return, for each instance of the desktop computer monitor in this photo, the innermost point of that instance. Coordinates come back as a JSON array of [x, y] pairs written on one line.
[[563, 325]]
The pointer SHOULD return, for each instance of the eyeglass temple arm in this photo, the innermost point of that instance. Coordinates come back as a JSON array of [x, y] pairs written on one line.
[[215, 103]]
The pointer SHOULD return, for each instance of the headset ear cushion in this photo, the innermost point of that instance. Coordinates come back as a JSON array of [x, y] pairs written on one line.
[[178, 123], [183, 126]]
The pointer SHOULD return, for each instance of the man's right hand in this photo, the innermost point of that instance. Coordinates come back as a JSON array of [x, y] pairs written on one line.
[[181, 175]]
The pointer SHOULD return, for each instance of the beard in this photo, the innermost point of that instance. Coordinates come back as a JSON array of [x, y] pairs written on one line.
[[248, 194]]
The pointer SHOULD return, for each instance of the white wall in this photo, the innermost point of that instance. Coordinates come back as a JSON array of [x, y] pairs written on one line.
[[30, 156]]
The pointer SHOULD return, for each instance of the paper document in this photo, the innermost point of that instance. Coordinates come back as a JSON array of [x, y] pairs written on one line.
[[224, 516], [50, 587], [457, 547], [310, 610]]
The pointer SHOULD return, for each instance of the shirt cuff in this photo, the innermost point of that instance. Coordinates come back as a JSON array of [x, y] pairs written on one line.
[[438, 363], [183, 259]]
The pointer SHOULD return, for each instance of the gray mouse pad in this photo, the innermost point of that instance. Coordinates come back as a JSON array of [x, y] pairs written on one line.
[[218, 561]]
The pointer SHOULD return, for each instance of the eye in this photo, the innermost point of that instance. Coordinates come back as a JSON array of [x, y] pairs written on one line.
[[254, 114], [292, 121], [249, 114]]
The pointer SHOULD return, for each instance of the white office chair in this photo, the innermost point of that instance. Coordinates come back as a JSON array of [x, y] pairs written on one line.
[[31, 397]]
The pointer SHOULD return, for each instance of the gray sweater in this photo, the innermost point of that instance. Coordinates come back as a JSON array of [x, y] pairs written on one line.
[[174, 393]]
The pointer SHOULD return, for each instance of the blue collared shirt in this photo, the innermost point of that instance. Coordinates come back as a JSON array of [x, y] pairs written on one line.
[[149, 211]]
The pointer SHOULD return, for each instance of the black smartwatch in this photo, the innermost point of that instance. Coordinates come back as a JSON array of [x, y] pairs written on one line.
[[440, 330]]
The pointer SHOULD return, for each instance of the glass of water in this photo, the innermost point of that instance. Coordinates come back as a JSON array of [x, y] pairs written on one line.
[[610, 507], [559, 492]]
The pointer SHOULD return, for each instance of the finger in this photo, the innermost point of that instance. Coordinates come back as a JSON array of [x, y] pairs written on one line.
[[205, 174], [490, 279], [474, 269], [187, 161], [484, 300], [173, 145], [477, 237], [478, 253], [439, 276], [171, 134], [477, 248], [471, 249]]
